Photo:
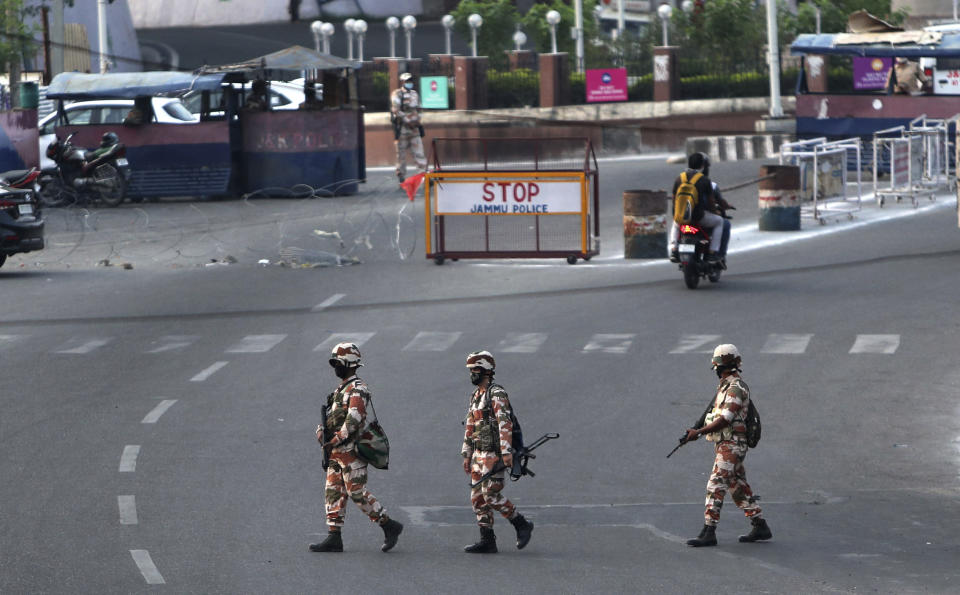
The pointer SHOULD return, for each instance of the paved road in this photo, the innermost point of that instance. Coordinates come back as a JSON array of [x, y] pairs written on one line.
[[158, 421]]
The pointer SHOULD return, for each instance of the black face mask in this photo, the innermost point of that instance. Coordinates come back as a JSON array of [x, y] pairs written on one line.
[[476, 378], [342, 371]]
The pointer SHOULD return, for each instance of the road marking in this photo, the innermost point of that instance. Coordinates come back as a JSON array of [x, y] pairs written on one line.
[[522, 342], [7, 340], [153, 416], [208, 372], [128, 510], [432, 341], [357, 338], [256, 344], [72, 347], [786, 343], [876, 344], [609, 343], [128, 460], [147, 568], [172, 342], [333, 299], [695, 343]]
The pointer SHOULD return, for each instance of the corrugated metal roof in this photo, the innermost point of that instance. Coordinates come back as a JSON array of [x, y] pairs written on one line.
[[925, 44], [128, 85], [294, 58]]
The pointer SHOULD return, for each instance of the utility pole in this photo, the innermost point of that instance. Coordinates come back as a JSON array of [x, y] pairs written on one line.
[[578, 25], [57, 39], [773, 56], [102, 35]]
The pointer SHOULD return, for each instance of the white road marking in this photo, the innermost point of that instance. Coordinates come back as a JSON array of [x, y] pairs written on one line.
[[173, 342], [257, 344], [72, 347], [207, 373], [609, 343], [333, 299], [432, 341], [876, 344], [128, 460], [147, 568], [128, 510], [7, 340], [357, 338], [522, 342], [153, 416], [695, 344], [786, 343]]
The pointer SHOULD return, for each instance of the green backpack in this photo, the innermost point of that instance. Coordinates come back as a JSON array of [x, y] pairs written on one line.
[[372, 443], [686, 202]]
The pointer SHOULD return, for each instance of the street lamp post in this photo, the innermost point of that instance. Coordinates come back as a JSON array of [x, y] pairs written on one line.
[[348, 25], [448, 22], [315, 30], [327, 30], [393, 23], [773, 55], [519, 38], [553, 19], [664, 12], [360, 27], [578, 26], [409, 24], [475, 21]]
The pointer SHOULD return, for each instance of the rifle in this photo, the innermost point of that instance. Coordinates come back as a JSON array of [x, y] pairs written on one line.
[[520, 460], [323, 434], [699, 424]]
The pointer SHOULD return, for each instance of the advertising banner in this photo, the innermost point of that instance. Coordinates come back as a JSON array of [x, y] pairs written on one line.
[[434, 93], [509, 197], [609, 84], [870, 73]]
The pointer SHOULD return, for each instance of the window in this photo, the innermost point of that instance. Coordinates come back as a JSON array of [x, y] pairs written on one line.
[[277, 99], [113, 115], [80, 116], [177, 111]]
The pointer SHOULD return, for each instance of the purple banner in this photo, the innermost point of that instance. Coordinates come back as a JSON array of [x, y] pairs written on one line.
[[871, 73], [607, 85]]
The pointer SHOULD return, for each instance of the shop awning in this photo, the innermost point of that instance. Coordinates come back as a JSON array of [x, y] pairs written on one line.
[[128, 85]]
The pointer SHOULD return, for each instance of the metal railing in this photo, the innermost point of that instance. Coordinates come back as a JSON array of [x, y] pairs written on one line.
[[914, 160], [824, 176]]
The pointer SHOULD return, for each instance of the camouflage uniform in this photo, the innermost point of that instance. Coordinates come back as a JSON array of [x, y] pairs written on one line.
[[489, 432], [731, 403], [405, 106], [347, 474]]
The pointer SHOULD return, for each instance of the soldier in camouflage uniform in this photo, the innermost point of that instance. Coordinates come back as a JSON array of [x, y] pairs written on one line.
[[725, 425], [487, 451], [405, 114], [347, 473]]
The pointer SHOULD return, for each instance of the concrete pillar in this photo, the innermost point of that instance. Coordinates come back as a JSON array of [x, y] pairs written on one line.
[[666, 80], [520, 59], [471, 85], [816, 70], [554, 79]]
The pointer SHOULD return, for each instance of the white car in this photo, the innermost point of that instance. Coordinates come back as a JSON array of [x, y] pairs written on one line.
[[167, 110], [283, 96]]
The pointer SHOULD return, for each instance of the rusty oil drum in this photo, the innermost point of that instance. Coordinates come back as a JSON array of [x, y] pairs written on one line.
[[645, 224], [779, 198]]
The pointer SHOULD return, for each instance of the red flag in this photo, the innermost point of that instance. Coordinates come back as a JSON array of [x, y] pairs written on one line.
[[412, 185]]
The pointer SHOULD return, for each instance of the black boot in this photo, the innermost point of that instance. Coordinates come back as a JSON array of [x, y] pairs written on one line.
[[486, 545], [760, 531], [524, 530], [391, 532], [333, 543], [707, 537]]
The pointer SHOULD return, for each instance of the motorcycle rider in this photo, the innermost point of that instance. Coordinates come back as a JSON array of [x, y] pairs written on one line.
[[723, 206], [700, 163]]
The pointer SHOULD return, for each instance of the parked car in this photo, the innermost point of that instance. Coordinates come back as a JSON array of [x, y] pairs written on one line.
[[167, 110], [283, 96], [21, 224]]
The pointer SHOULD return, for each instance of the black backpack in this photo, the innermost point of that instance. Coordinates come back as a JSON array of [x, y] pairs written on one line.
[[754, 428], [520, 457]]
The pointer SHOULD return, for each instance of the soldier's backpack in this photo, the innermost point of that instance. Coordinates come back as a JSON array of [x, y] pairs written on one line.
[[752, 421], [686, 201], [519, 452], [372, 443]]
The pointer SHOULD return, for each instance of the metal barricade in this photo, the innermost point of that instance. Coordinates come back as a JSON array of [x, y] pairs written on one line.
[[824, 176], [916, 158], [512, 198]]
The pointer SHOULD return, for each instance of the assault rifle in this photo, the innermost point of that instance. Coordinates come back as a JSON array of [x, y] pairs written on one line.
[[520, 460], [699, 424], [323, 431]]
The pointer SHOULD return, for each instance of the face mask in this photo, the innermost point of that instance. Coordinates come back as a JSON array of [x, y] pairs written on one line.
[[341, 371], [408, 85], [476, 378]]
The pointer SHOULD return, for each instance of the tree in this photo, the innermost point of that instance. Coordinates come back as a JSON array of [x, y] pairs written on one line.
[[500, 18], [538, 31]]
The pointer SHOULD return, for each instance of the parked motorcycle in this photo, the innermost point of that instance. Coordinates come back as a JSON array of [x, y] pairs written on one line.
[[20, 179], [83, 176]]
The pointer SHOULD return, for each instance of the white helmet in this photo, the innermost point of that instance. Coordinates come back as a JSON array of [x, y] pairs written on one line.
[[406, 76], [726, 355], [481, 359], [347, 354]]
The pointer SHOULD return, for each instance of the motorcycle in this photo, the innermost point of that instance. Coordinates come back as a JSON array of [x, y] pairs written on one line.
[[692, 249], [20, 179], [85, 176]]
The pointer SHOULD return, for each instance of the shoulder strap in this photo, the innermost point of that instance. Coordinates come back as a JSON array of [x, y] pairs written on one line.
[[696, 177], [683, 177]]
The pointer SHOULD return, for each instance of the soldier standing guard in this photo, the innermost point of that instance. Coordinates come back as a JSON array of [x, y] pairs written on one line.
[[487, 441], [407, 131], [725, 425], [347, 473]]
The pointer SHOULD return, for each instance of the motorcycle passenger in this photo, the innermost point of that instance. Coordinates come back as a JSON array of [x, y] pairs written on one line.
[[723, 206], [706, 216]]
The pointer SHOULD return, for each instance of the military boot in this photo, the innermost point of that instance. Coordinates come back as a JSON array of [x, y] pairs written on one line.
[[486, 545], [333, 543], [707, 537], [524, 530], [759, 532], [391, 532]]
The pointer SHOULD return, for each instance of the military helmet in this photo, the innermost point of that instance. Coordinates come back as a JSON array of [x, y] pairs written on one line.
[[726, 355], [481, 359], [406, 76], [347, 354]]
